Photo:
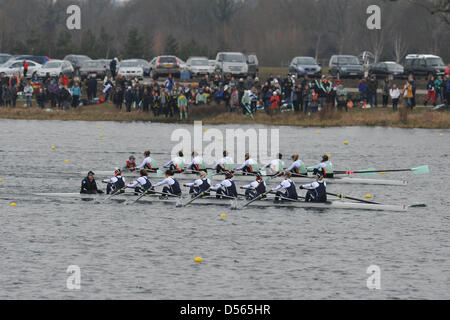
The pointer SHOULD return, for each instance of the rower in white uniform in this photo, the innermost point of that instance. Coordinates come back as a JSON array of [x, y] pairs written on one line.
[[171, 185], [115, 184], [249, 166], [317, 191], [142, 184], [227, 188], [288, 186], [276, 165], [298, 166], [197, 164], [177, 164], [200, 186], [148, 163], [224, 164], [256, 188]]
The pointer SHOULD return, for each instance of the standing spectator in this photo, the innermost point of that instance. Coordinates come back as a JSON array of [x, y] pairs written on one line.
[[113, 67], [129, 98], [14, 95], [28, 91], [412, 82], [439, 85], [118, 97], [394, 92], [447, 90], [431, 91], [274, 102], [76, 94], [408, 94], [246, 103], [146, 100], [386, 89], [40, 98], [169, 84], [234, 101], [6, 95], [92, 88], [53, 93], [25, 68], [341, 96], [372, 89], [182, 105]]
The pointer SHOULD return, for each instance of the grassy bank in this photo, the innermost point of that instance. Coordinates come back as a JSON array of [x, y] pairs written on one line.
[[420, 118]]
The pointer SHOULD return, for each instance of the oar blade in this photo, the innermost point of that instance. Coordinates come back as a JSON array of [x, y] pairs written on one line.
[[368, 172], [421, 170], [159, 174]]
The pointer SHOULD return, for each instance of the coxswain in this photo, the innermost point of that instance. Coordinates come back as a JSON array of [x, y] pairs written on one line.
[[327, 167], [142, 184], [130, 164], [226, 188], [224, 164], [276, 165], [116, 184], [288, 186], [171, 185], [89, 185], [317, 191], [298, 166], [200, 186], [148, 163], [256, 188], [249, 166], [197, 164], [177, 164]]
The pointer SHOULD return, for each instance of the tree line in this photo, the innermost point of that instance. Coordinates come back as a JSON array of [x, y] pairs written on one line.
[[275, 30]]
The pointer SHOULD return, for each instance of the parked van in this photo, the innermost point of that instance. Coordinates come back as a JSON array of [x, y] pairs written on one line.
[[253, 65], [234, 63]]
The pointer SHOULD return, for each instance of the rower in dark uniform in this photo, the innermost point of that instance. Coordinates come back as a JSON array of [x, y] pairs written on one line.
[[289, 186], [115, 184], [317, 191], [171, 185], [256, 188], [89, 185], [226, 188], [142, 184], [200, 186]]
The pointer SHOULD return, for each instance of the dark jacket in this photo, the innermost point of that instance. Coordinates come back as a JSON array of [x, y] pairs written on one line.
[[88, 186]]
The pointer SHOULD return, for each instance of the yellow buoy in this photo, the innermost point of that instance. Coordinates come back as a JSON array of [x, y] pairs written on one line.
[[99, 127], [102, 136], [13, 204], [441, 134], [1, 180], [206, 130], [66, 161], [346, 143], [53, 148], [223, 215], [368, 196], [317, 132], [198, 260], [329, 155]]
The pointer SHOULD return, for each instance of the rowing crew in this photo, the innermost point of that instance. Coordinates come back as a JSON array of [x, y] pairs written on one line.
[[286, 190], [250, 166]]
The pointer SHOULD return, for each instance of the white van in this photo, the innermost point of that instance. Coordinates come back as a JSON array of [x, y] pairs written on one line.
[[234, 63]]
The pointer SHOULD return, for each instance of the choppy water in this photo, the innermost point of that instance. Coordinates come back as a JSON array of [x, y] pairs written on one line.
[[145, 252]]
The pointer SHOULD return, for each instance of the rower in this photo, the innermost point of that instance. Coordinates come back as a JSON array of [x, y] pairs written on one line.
[[289, 186], [317, 191], [224, 164], [226, 188], [142, 184], [256, 188], [200, 186], [327, 167], [171, 185], [148, 163], [116, 184], [276, 165], [130, 163], [89, 185], [297, 167], [176, 164], [197, 164], [249, 166]]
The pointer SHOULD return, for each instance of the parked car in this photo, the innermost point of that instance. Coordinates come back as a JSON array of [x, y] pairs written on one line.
[[4, 57], [39, 59], [76, 61], [253, 65], [234, 63], [305, 66], [14, 67], [56, 68], [387, 68], [346, 66], [199, 66], [424, 65], [165, 65], [145, 65], [131, 67], [96, 68]]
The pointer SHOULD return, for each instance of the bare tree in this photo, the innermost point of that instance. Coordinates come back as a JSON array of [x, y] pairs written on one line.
[[401, 46]]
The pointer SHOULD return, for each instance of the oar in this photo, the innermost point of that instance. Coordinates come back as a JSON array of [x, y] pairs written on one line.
[[342, 196], [418, 170], [193, 199], [263, 195], [120, 191]]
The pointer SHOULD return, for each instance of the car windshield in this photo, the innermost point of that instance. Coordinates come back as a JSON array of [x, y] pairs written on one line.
[[129, 64], [435, 62], [348, 60], [52, 65], [167, 60], [80, 58], [394, 67], [233, 58], [306, 61], [93, 64], [3, 59], [199, 62]]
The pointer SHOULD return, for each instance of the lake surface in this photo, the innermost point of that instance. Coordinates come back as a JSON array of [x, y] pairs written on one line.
[[147, 252]]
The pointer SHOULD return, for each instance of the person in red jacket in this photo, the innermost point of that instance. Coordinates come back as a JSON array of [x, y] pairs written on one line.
[[274, 102], [25, 68]]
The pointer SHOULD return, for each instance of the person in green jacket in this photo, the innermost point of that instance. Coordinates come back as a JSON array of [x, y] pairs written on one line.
[[182, 104]]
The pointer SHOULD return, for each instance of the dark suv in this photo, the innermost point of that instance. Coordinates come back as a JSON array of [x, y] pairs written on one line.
[[165, 65], [346, 67], [424, 65], [305, 66]]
